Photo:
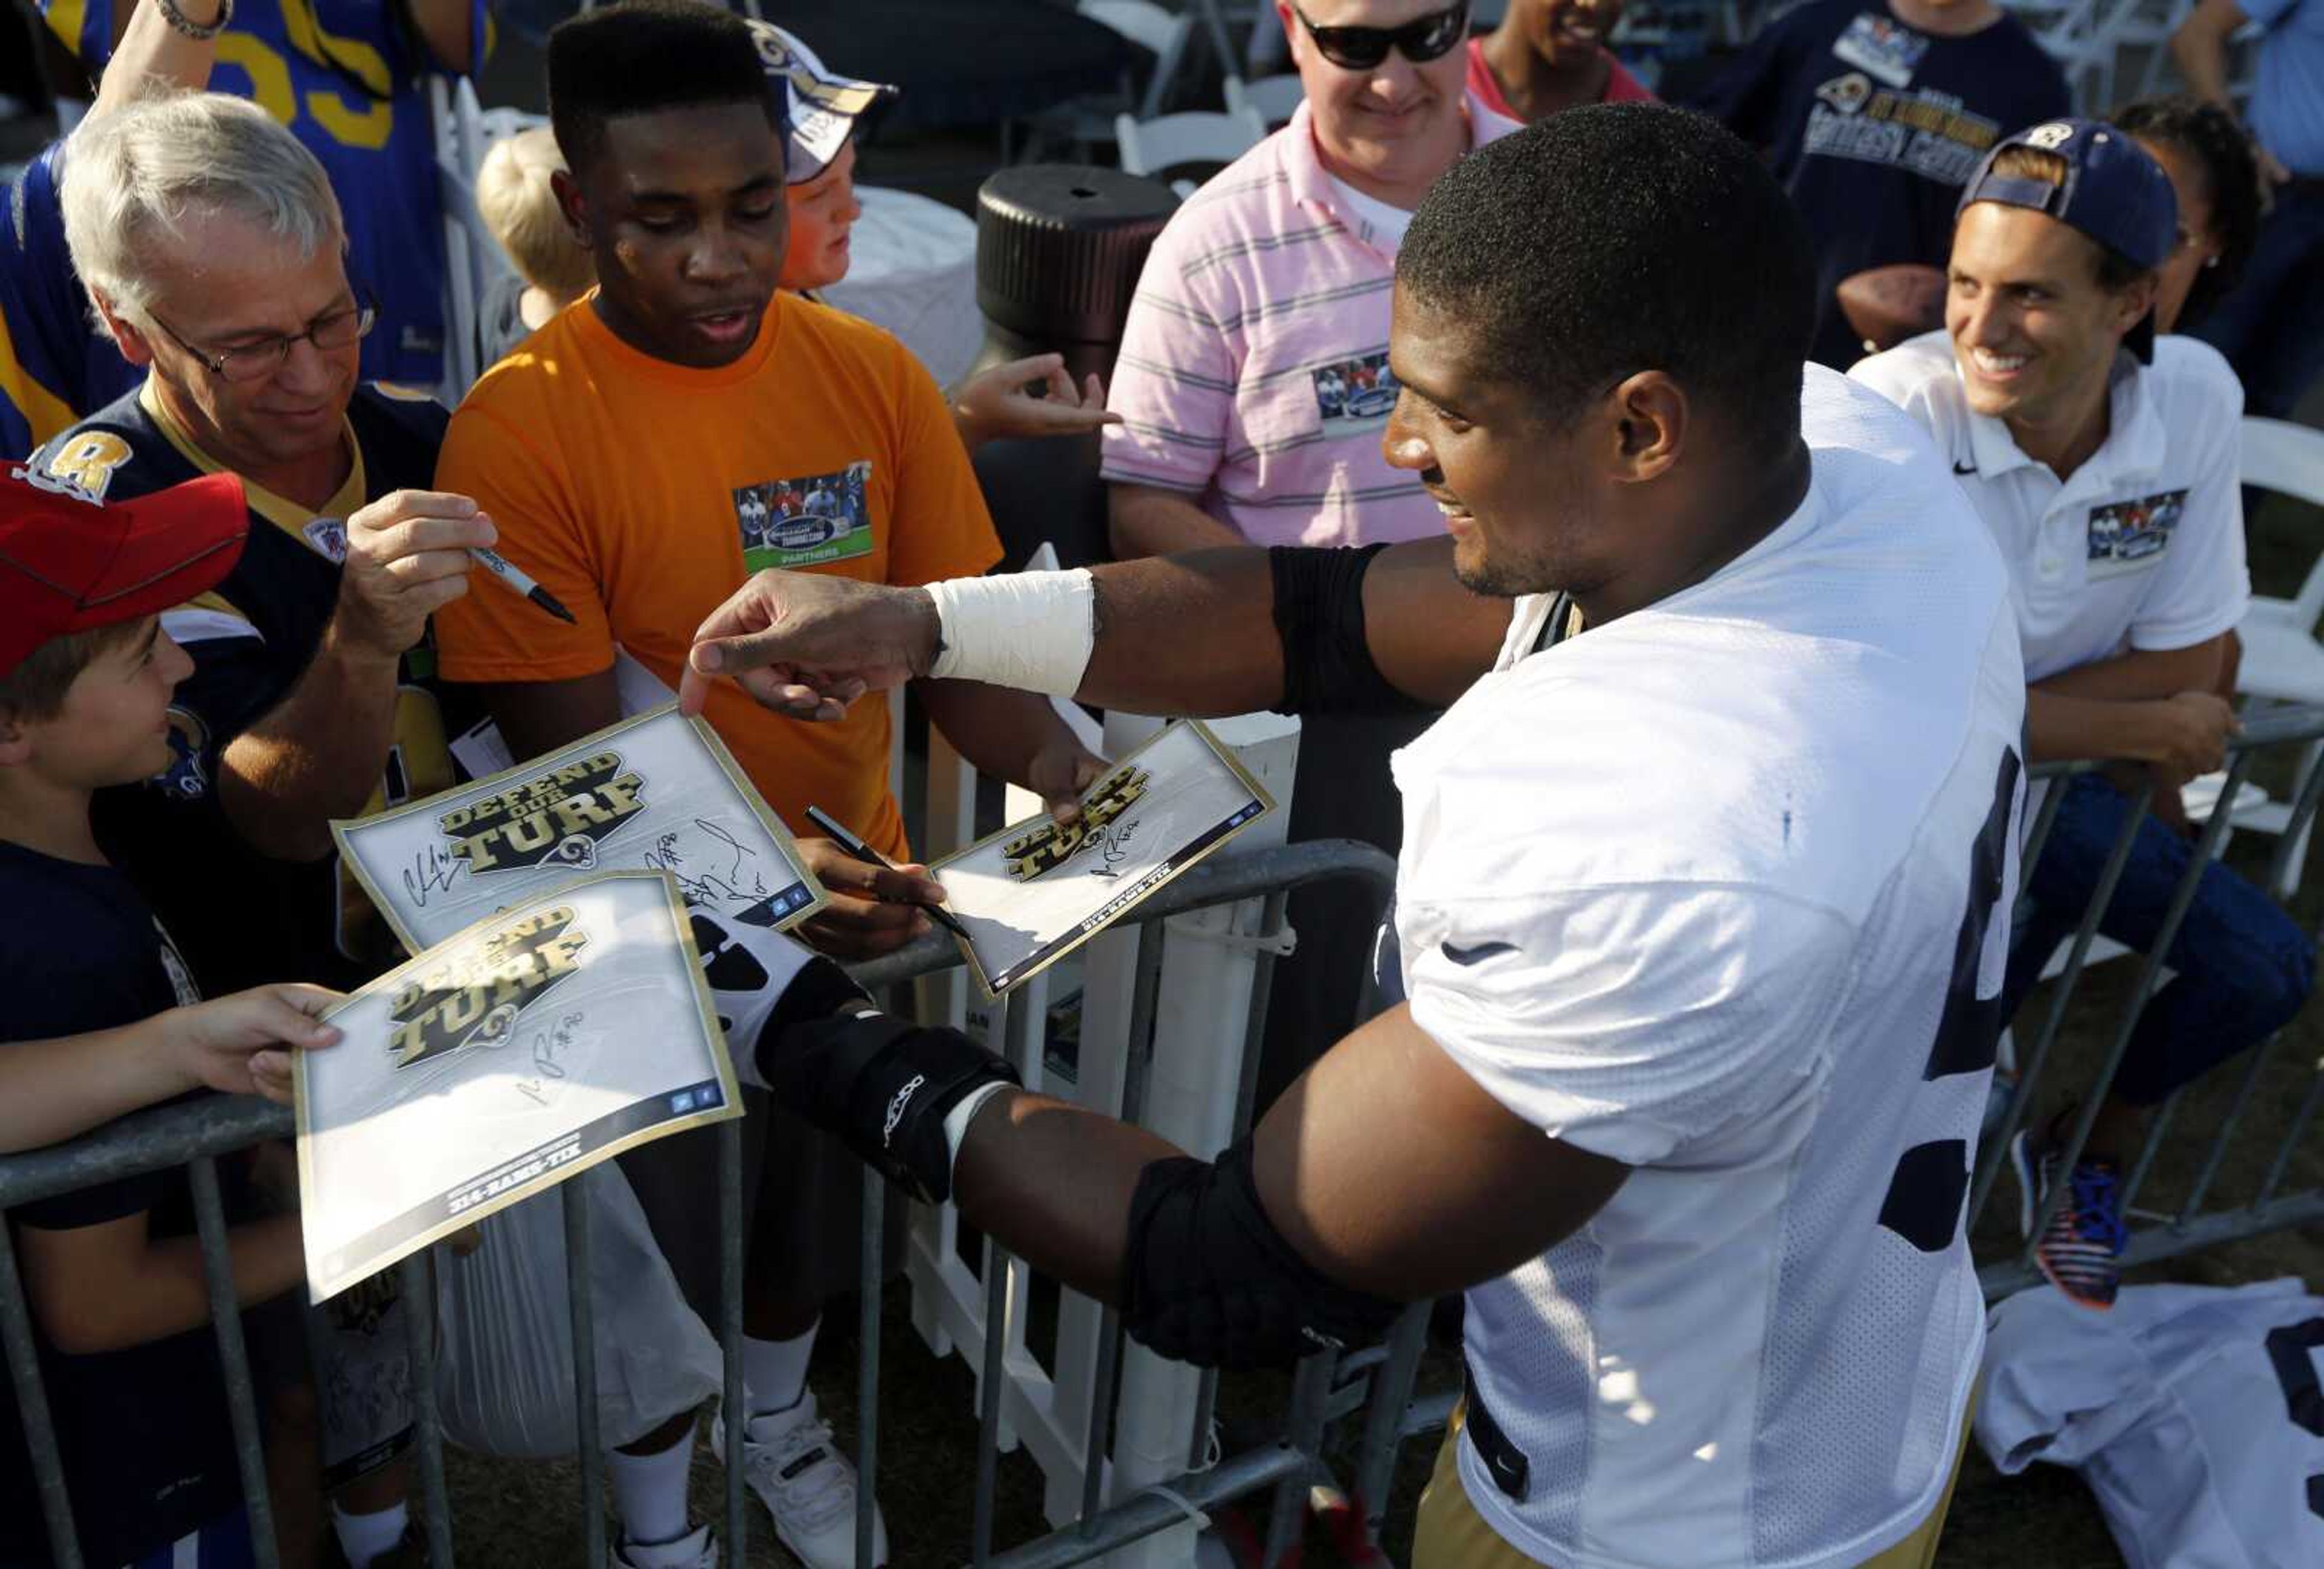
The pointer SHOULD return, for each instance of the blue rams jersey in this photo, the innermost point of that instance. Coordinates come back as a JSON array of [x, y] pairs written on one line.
[[55, 366], [347, 77], [242, 917]]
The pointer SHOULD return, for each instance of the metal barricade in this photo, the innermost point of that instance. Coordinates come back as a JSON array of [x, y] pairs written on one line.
[[196, 1133], [2189, 1227]]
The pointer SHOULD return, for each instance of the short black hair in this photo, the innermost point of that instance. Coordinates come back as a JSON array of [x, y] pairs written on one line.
[[1622, 237], [642, 56], [2230, 183]]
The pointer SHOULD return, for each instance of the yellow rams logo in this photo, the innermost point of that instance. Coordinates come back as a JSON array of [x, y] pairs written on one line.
[[474, 998], [1052, 844], [87, 461], [562, 815]]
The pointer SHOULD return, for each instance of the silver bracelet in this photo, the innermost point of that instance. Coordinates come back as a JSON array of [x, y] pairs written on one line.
[[194, 30]]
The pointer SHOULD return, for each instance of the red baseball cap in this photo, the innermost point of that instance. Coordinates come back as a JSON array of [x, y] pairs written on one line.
[[69, 562]]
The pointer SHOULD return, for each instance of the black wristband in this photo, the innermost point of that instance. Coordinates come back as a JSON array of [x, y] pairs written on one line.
[[883, 1085], [1319, 614]]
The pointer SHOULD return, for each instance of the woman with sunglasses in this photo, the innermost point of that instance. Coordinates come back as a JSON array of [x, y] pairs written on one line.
[[1548, 55]]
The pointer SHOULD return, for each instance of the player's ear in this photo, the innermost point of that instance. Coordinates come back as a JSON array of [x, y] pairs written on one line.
[[15, 741], [1647, 414]]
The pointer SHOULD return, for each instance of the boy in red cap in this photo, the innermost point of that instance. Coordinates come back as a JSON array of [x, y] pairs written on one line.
[[113, 1274]]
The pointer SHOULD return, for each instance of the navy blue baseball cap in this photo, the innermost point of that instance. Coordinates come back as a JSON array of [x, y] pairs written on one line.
[[2114, 192]]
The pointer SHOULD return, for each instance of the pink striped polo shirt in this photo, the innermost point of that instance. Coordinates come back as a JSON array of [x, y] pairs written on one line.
[[1253, 376]]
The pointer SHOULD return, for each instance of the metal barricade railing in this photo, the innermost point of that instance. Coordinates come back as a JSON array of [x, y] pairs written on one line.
[[196, 1133], [2189, 1227]]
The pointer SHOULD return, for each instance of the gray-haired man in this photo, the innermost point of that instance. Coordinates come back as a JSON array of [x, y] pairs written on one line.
[[210, 245]]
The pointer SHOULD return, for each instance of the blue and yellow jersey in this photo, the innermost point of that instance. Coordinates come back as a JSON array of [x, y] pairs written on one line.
[[347, 77], [241, 918], [55, 366]]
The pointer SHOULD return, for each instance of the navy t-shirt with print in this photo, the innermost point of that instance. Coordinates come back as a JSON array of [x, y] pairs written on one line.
[[1874, 127], [148, 1450]]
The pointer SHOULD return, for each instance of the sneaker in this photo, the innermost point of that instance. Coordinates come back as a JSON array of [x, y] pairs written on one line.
[[695, 1550], [790, 1462], [2078, 1249]]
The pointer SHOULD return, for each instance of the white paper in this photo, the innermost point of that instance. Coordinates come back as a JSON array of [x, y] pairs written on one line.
[[1033, 892], [537, 1042], [656, 792]]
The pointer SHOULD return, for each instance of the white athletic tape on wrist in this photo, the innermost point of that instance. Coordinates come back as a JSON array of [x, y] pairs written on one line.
[[1032, 631], [957, 1120]]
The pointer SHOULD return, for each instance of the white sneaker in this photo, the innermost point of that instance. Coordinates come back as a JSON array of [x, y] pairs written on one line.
[[790, 1462], [695, 1550]]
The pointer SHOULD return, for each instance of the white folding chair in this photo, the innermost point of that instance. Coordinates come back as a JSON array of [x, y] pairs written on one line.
[[1086, 122], [1175, 140], [2283, 663], [1273, 97]]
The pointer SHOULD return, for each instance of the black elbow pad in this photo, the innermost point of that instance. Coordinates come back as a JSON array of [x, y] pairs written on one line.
[[1208, 1279], [1319, 614]]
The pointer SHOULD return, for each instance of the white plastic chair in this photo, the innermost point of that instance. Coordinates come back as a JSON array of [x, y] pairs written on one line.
[[1161, 33], [1273, 97], [1173, 140], [2282, 660]]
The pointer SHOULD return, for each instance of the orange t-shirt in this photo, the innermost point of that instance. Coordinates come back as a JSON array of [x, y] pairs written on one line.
[[641, 493]]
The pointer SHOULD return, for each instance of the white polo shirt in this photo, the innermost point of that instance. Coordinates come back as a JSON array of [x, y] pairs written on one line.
[[2140, 548], [1714, 890]]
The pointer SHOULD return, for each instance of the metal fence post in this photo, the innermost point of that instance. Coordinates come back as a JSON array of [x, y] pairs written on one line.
[[226, 1319], [580, 1286], [428, 1425], [33, 1408]]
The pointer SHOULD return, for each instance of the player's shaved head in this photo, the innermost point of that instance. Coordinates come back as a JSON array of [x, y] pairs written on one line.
[[1618, 238], [641, 57]]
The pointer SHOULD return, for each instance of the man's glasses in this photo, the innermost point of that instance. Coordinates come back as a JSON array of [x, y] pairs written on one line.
[[254, 362], [1362, 48]]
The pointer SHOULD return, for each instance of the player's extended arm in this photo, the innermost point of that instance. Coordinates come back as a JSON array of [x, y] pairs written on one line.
[[153, 58], [1383, 1177], [240, 1044], [1145, 520], [1204, 633], [105, 1286], [1385, 1167]]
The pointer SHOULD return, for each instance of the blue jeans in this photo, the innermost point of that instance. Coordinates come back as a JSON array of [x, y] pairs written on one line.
[[2244, 967], [2271, 325]]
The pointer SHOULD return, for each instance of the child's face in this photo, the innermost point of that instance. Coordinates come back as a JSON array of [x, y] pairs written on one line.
[[822, 210], [115, 725]]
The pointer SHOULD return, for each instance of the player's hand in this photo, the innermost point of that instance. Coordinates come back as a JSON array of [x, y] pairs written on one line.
[[2191, 732], [873, 910], [807, 645], [242, 1044], [407, 556], [1001, 402], [1059, 772]]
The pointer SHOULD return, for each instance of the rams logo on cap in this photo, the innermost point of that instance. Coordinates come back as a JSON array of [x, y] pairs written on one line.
[[2050, 137]]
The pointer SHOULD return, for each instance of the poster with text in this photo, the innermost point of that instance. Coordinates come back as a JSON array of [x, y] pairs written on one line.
[[658, 792], [542, 1039], [1036, 891]]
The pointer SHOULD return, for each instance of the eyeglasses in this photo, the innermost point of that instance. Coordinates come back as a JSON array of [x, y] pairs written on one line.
[[254, 362], [1362, 48]]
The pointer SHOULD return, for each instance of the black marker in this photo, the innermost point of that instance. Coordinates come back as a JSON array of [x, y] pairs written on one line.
[[515, 576], [864, 853]]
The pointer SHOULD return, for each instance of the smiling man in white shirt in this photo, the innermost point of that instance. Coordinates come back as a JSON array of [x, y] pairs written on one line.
[[2105, 464]]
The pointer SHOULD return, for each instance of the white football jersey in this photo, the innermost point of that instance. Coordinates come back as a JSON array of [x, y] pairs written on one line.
[[2194, 1412], [1719, 889]]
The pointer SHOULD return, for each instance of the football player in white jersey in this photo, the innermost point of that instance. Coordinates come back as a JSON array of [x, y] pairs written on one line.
[[1700, 909], [2104, 463]]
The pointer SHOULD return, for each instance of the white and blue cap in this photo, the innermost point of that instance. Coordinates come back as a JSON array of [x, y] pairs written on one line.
[[2113, 191], [820, 106]]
